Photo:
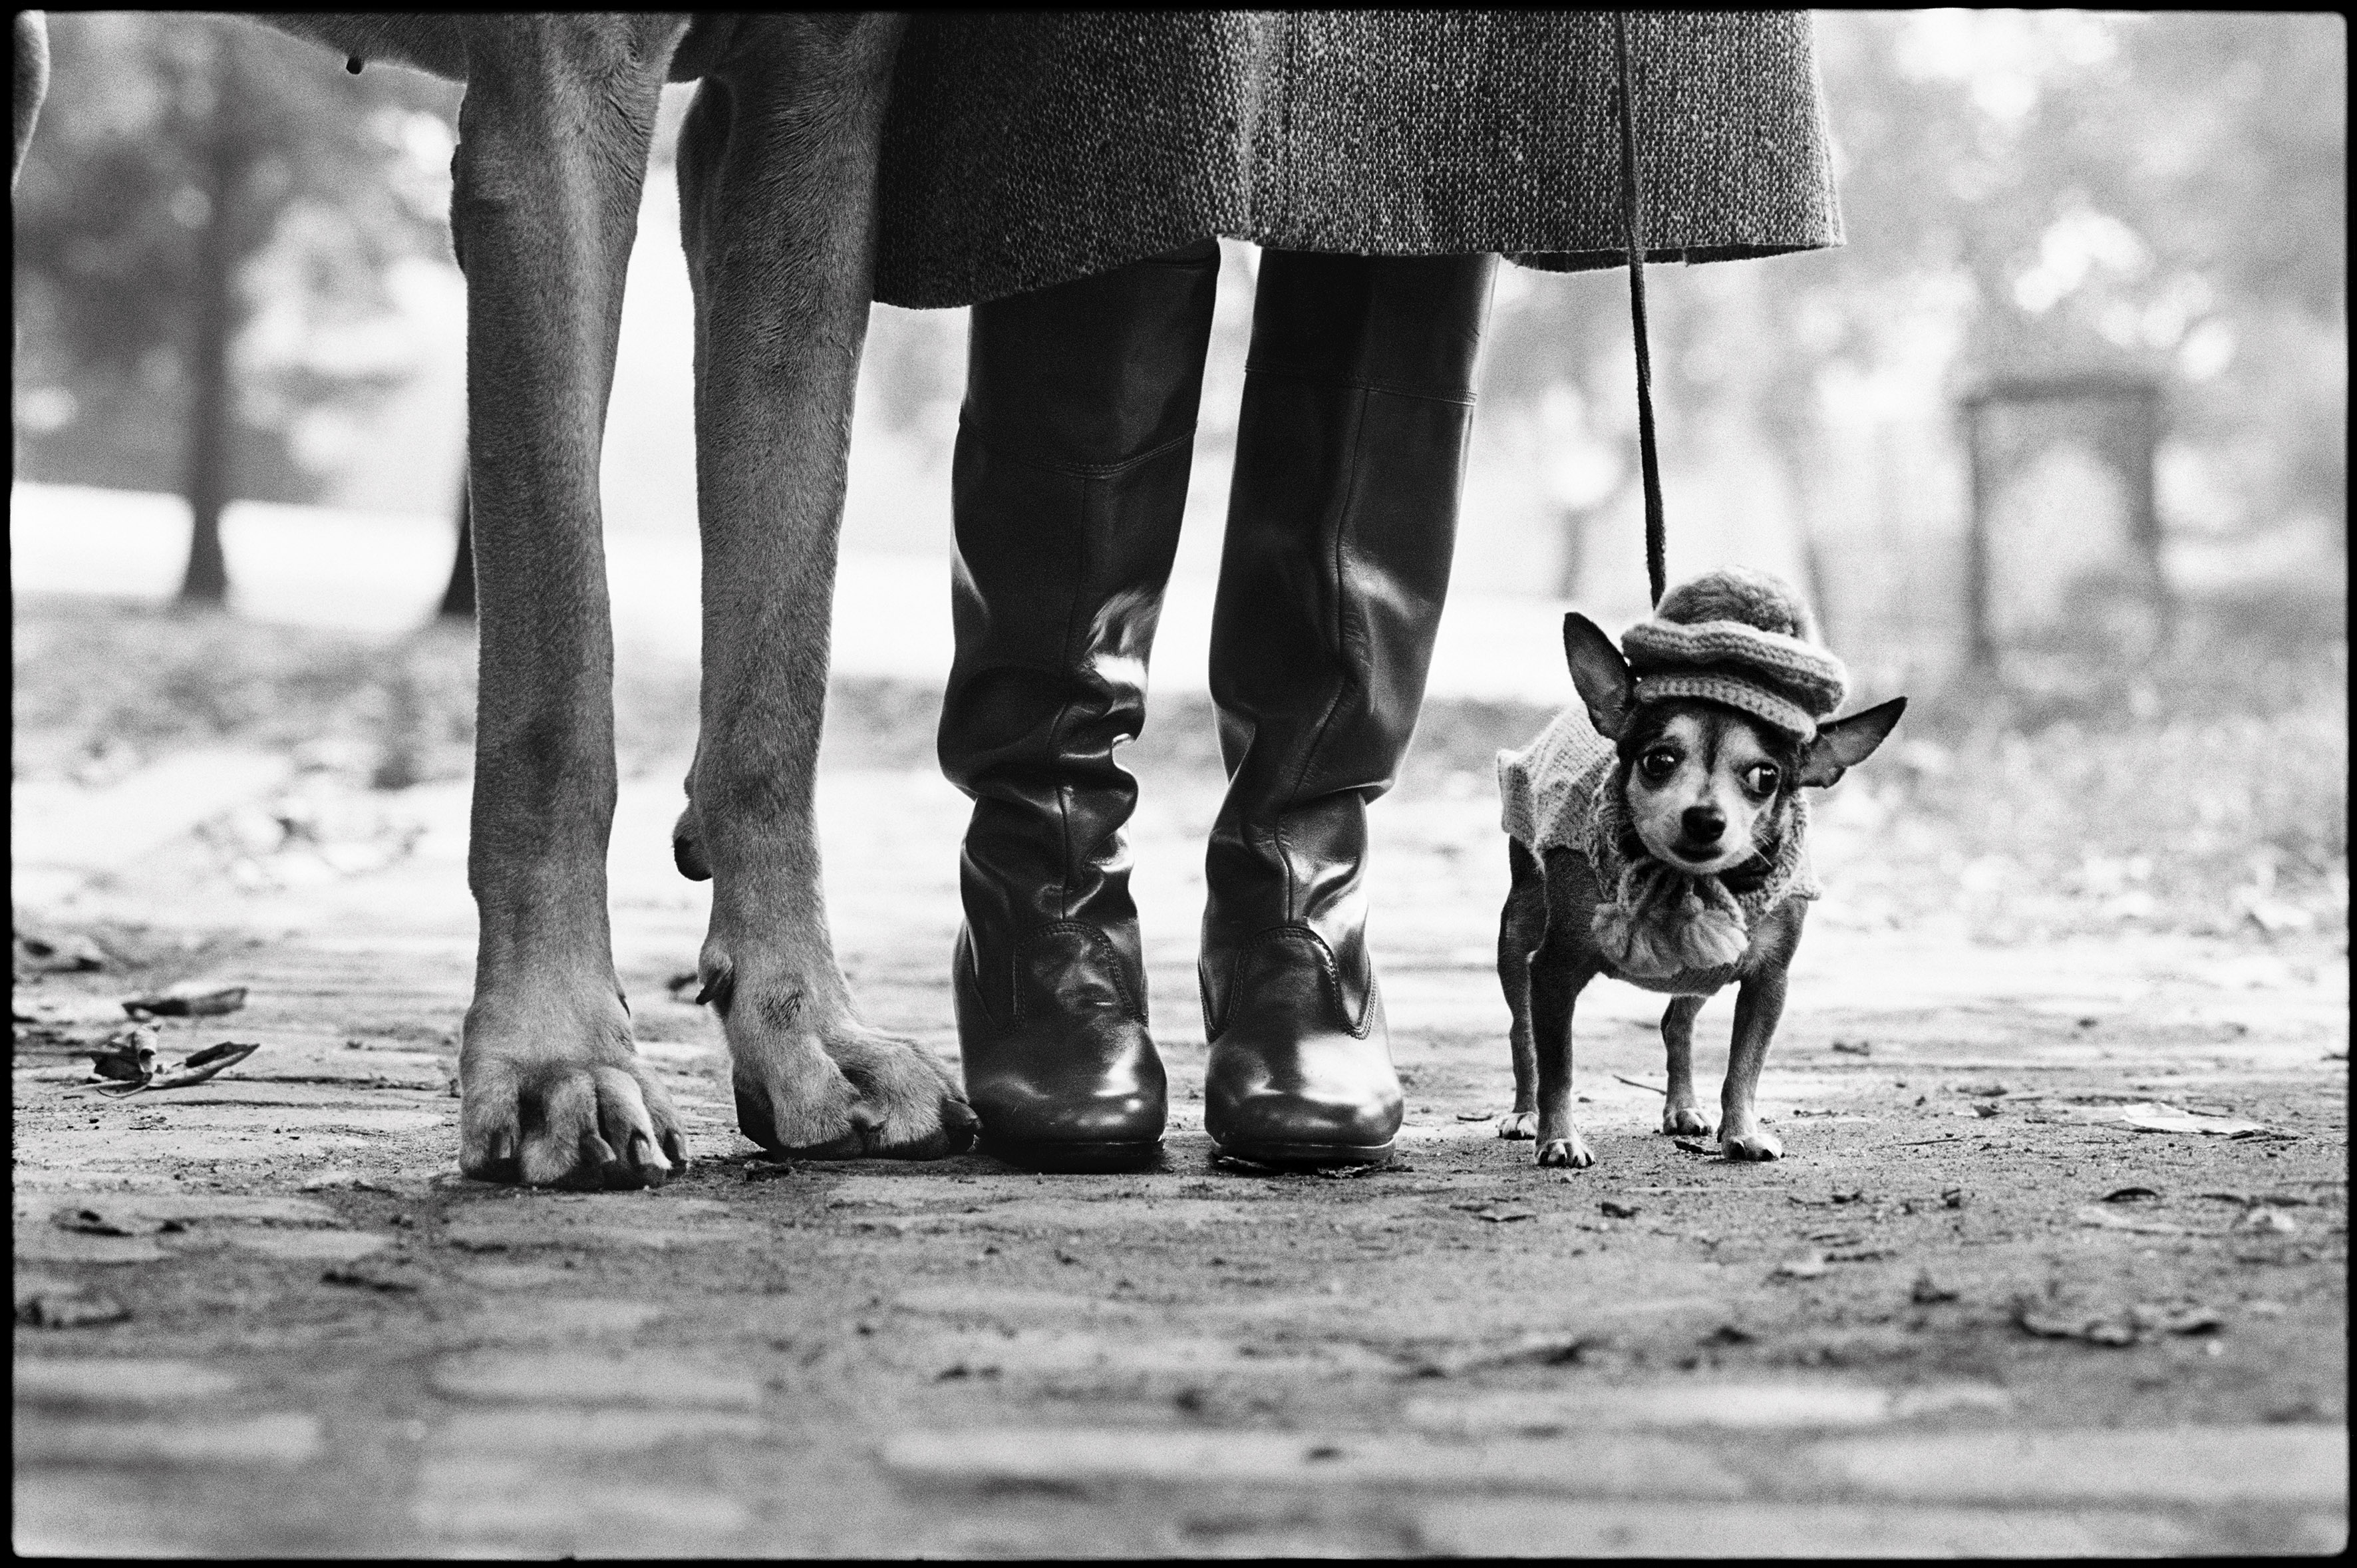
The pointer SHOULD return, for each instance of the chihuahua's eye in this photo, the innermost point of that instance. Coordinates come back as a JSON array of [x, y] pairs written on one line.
[[1658, 764], [1760, 779]]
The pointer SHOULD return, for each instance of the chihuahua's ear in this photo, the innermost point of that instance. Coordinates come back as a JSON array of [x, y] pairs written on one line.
[[1600, 672], [1844, 743]]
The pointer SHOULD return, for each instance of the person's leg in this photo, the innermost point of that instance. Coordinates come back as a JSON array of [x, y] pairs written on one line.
[[1071, 477], [1349, 454]]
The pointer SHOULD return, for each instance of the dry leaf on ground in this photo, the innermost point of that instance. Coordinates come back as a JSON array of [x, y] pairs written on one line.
[[2151, 1116], [189, 999], [2117, 1326]]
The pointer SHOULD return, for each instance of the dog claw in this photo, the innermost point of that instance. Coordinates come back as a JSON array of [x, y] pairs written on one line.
[[857, 1096], [1519, 1124], [1570, 1152], [530, 1116]]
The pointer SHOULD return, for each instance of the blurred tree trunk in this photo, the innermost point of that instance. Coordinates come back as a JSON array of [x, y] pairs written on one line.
[[1578, 531], [1573, 526], [1797, 444], [459, 598], [214, 310]]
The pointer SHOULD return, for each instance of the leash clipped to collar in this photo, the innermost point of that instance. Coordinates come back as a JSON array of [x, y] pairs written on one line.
[[1633, 201]]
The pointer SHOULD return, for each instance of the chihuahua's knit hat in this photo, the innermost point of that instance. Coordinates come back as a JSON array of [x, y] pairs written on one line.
[[1741, 637]]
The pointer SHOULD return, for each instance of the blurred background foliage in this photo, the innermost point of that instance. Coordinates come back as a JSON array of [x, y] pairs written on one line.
[[2160, 194], [2025, 191], [205, 197]]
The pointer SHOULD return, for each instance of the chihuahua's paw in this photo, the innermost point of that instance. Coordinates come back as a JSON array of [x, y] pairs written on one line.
[[1685, 1121], [1519, 1124], [1757, 1144], [1570, 1152]]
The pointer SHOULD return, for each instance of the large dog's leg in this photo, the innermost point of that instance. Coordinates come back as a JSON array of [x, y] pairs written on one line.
[[777, 164], [553, 135]]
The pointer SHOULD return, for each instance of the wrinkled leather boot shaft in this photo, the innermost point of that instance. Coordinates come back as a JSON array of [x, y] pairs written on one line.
[[1070, 482], [1349, 456]]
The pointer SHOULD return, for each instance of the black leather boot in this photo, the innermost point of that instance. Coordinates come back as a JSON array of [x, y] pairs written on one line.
[[1071, 477], [1349, 454]]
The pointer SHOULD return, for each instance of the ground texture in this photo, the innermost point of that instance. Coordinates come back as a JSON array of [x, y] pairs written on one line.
[[1976, 1310]]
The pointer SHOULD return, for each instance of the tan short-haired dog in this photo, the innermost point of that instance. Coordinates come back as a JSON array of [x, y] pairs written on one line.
[[1656, 833]]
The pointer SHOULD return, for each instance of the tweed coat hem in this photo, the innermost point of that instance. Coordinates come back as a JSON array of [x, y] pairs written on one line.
[[1027, 149]]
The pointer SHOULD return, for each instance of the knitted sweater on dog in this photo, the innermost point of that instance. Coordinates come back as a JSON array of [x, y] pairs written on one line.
[[1558, 793]]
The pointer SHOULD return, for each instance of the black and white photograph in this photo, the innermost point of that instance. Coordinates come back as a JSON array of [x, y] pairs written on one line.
[[1180, 784]]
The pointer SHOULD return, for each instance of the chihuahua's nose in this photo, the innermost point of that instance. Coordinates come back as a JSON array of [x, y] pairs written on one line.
[[1702, 823]]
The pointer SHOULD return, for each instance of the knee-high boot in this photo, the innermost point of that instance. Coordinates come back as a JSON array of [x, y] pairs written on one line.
[[1349, 454], [1070, 476]]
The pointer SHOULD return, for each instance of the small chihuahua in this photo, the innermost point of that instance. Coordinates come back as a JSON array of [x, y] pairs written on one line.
[[1658, 837]]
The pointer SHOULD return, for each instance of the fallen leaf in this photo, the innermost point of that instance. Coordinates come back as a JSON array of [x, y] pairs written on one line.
[[1478, 1115], [1928, 1292], [1533, 1350], [58, 955], [341, 1181], [202, 1065], [2118, 1326], [69, 1308], [198, 1066], [1854, 1048], [1853, 1195], [1984, 1110], [2130, 1194], [1836, 1238], [2151, 1116], [2112, 1220], [2092, 1330], [1728, 1334], [390, 1278], [1611, 1211], [1690, 1148], [1981, 1091], [128, 1055], [89, 1222], [189, 999], [1558, 1352], [1506, 1215], [1799, 1269]]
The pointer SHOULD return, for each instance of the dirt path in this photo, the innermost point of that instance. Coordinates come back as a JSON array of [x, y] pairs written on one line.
[[1893, 1341]]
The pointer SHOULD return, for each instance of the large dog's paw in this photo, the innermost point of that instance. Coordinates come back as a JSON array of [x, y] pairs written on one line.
[[843, 1093], [1684, 1122], [1519, 1124], [555, 1096], [1568, 1150]]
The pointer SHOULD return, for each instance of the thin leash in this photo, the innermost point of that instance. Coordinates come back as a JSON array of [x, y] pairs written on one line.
[[1633, 201]]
